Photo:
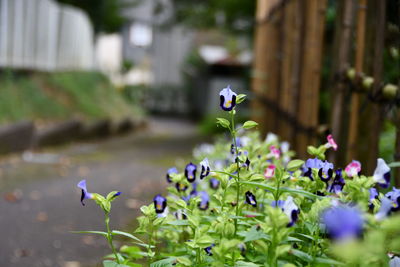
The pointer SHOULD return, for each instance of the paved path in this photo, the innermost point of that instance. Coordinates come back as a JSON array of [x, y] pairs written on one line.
[[40, 201]]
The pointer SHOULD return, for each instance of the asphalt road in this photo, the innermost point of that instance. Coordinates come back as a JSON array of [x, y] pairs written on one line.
[[40, 205]]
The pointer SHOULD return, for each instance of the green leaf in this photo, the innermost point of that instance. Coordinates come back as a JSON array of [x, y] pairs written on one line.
[[116, 232], [249, 124], [108, 263], [164, 262], [295, 164], [301, 192], [245, 264], [240, 98], [184, 261], [204, 241], [90, 232], [394, 164], [261, 185], [312, 150], [179, 222], [223, 122], [302, 255], [328, 261], [253, 235]]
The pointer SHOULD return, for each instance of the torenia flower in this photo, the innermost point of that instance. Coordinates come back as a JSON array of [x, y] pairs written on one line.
[[190, 172], [205, 168], [274, 152], [394, 196], [385, 209], [181, 187], [382, 174], [227, 98], [373, 194], [204, 200], [180, 215], [251, 199], [331, 143], [353, 168], [291, 210], [343, 222], [269, 171], [85, 193], [271, 138], [214, 183], [208, 249], [169, 172], [160, 205]]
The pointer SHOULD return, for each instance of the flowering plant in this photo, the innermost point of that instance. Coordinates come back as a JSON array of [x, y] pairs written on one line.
[[244, 201]]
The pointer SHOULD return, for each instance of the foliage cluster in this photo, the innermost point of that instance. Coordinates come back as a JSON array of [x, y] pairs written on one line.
[[247, 203]]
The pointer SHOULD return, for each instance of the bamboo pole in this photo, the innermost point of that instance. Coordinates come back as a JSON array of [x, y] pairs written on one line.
[[344, 48], [264, 50], [310, 74], [355, 98], [289, 42]]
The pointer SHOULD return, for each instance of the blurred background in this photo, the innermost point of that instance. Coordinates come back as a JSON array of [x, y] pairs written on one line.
[[118, 91]]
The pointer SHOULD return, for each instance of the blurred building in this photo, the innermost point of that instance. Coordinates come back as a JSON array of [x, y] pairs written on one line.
[[155, 50]]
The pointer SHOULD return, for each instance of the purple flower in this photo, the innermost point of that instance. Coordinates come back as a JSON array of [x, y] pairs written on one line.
[[227, 99], [214, 183], [373, 194], [251, 199], [394, 196], [325, 177], [190, 172], [181, 187], [169, 172], [338, 182], [385, 209], [343, 222], [382, 174], [208, 249], [85, 193], [204, 200], [160, 203], [205, 168]]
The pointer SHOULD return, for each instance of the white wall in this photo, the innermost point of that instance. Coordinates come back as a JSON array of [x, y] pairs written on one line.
[[44, 35]]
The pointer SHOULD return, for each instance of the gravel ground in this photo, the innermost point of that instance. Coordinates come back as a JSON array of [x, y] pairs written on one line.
[[40, 202]]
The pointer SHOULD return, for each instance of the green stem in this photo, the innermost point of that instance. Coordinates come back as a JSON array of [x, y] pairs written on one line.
[[109, 237], [233, 133]]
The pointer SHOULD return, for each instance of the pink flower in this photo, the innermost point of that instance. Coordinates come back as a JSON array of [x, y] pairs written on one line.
[[331, 143], [274, 152], [353, 168], [269, 171]]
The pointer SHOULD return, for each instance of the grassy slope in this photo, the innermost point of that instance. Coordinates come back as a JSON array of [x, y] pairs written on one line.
[[57, 96]]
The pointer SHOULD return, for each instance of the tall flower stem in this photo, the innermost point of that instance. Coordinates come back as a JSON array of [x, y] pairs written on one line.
[[233, 133], [109, 237]]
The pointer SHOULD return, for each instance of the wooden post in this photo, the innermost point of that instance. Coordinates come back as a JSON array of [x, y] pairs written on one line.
[[310, 73], [355, 98], [264, 72], [342, 63], [287, 89]]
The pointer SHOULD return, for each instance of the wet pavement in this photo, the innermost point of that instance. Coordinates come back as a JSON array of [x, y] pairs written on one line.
[[40, 205]]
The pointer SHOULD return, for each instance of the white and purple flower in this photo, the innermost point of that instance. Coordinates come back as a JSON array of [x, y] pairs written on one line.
[[214, 183], [205, 168], [227, 99], [289, 208], [160, 205], [382, 174]]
